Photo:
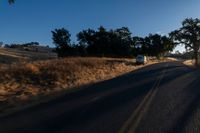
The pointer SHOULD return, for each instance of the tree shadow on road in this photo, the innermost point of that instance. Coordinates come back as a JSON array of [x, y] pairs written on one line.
[[144, 79], [89, 112], [193, 104]]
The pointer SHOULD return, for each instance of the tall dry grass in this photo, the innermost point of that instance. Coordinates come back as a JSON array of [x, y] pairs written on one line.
[[21, 82]]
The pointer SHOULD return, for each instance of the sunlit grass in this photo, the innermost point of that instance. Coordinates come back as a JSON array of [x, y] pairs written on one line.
[[24, 81]]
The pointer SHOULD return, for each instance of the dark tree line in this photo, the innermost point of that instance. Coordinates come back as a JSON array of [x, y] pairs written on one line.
[[110, 43], [119, 42], [153, 45], [106, 43], [21, 45]]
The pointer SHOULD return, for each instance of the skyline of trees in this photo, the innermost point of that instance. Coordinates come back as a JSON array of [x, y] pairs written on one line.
[[106, 42], [120, 43], [110, 43], [153, 45]]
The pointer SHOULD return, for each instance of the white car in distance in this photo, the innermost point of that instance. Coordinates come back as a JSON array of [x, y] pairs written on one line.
[[141, 59]]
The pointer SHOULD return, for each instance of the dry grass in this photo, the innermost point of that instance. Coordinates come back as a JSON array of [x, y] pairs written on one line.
[[189, 62], [22, 82], [9, 55], [170, 59]]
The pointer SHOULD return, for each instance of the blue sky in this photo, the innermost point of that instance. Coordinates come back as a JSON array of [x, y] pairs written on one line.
[[33, 20]]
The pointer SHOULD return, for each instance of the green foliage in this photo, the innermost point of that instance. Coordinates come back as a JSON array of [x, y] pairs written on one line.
[[61, 38], [189, 35], [106, 43], [153, 45], [112, 43]]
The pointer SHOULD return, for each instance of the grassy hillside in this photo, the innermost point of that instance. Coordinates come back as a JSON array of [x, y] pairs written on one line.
[[25, 80], [8, 55]]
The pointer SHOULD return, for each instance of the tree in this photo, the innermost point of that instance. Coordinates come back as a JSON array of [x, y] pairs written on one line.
[[139, 46], [61, 38], [11, 1], [159, 45], [189, 35], [153, 45], [86, 39], [102, 42], [101, 46], [168, 43], [121, 41]]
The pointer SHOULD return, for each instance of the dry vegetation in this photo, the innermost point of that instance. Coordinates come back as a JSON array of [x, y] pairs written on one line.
[[8, 55], [191, 63], [25, 82], [22, 81]]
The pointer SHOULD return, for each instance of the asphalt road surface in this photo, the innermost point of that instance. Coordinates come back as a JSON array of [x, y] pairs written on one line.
[[161, 98]]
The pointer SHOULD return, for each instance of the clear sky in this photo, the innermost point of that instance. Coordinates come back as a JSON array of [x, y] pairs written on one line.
[[33, 20]]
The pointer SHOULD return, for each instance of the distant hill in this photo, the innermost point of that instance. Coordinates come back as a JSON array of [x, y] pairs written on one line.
[[11, 55]]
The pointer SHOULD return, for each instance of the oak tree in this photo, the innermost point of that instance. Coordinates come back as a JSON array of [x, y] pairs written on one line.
[[189, 35]]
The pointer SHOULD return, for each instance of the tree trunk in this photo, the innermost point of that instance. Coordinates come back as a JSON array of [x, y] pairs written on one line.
[[196, 57]]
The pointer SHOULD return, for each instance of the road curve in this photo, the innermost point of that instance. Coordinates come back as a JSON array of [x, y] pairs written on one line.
[[160, 98]]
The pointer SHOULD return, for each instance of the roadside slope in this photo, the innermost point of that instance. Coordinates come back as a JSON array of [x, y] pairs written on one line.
[[29, 82], [107, 106]]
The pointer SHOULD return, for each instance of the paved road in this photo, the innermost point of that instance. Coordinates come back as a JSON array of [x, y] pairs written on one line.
[[161, 98]]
